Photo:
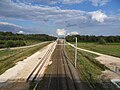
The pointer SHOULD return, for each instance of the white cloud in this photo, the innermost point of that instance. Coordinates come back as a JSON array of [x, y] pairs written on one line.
[[99, 2], [72, 1], [74, 33], [68, 33], [9, 27], [21, 32], [10, 24], [47, 14], [61, 32], [98, 16]]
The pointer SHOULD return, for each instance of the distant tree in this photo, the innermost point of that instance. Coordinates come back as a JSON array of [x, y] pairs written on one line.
[[102, 41], [87, 38], [12, 36]]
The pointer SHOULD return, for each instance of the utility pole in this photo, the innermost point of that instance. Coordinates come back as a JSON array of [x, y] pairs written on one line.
[[76, 52]]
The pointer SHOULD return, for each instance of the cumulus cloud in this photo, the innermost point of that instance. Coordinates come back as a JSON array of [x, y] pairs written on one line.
[[26, 12], [61, 32], [47, 14], [98, 16], [21, 32]]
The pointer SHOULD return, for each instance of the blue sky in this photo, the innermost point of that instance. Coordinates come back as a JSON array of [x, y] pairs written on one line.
[[86, 17]]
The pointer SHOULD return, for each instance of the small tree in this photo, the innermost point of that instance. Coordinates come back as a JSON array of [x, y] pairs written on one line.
[[102, 41]]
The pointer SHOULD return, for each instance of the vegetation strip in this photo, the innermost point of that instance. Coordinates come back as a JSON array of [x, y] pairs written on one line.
[[89, 69], [19, 55]]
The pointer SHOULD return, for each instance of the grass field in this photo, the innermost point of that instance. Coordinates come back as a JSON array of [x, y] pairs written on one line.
[[110, 48], [88, 69], [31, 42], [10, 57]]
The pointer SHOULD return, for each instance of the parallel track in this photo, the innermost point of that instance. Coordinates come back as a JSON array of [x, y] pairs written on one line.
[[35, 73], [59, 75], [65, 61]]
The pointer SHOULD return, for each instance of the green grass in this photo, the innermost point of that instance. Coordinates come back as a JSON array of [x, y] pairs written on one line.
[[31, 42], [85, 61], [88, 68], [7, 53], [110, 48], [10, 57]]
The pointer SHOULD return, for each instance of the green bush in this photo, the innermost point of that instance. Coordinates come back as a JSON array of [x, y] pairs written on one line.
[[14, 43], [9, 44], [2, 42]]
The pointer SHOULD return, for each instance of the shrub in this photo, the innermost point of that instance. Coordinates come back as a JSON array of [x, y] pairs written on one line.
[[14, 43]]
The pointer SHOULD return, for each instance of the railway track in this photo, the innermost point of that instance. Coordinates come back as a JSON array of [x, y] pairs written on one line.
[[61, 75], [38, 71]]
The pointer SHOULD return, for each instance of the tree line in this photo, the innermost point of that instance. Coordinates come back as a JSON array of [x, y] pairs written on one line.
[[9, 39], [87, 38], [12, 36]]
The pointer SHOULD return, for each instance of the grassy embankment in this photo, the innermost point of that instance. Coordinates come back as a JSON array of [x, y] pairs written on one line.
[[112, 49], [89, 69], [10, 57], [31, 42]]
